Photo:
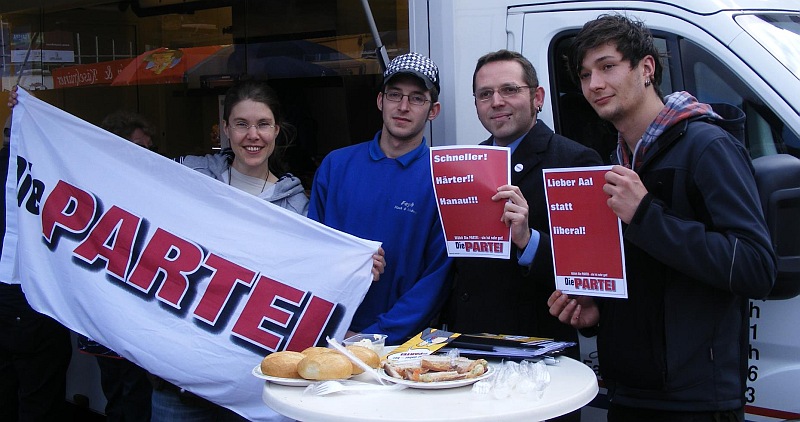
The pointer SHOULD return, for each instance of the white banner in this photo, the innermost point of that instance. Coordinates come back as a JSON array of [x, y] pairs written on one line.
[[189, 278]]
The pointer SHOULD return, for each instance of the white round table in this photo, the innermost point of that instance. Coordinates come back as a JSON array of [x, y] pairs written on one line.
[[572, 385]]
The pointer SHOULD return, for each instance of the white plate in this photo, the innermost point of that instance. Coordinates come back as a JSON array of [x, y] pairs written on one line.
[[291, 382], [437, 385], [299, 382]]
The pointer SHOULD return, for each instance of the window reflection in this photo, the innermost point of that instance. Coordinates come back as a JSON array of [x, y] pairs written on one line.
[[171, 61]]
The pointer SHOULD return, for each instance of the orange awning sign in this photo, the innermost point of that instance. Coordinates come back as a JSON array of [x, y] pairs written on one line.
[[163, 65]]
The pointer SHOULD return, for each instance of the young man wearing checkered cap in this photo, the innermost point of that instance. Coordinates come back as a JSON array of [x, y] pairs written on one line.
[[381, 190]]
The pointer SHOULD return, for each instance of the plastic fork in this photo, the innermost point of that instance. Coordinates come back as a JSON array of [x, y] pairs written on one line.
[[370, 371], [330, 387]]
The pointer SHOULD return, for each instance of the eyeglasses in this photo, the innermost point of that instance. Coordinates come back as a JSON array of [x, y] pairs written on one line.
[[261, 127], [413, 99], [504, 91]]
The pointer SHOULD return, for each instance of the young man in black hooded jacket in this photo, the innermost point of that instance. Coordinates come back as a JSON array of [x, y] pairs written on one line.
[[696, 244]]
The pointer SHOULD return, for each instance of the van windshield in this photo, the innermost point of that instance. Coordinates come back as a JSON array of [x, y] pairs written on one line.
[[777, 33]]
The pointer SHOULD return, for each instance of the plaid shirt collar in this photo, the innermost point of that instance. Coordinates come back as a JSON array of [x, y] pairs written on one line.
[[678, 106]]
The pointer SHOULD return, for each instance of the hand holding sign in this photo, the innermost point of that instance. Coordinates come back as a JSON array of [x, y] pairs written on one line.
[[515, 214], [579, 312], [625, 190]]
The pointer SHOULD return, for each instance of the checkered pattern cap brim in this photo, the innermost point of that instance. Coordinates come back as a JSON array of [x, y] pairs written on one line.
[[415, 64]]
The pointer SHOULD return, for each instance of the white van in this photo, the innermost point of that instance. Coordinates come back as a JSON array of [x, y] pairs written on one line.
[[743, 52]]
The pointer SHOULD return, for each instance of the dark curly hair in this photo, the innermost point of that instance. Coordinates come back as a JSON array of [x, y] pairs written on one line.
[[631, 37]]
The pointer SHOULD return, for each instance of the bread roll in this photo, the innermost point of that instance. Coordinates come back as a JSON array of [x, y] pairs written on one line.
[[325, 366], [313, 350], [366, 355], [282, 364]]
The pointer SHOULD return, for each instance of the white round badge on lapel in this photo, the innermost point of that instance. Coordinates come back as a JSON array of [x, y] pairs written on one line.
[[518, 168]]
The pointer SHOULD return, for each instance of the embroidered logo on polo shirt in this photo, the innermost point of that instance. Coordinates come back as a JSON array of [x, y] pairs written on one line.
[[406, 206]]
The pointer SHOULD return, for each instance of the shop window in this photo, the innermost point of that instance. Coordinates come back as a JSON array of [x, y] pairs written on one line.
[[172, 61]]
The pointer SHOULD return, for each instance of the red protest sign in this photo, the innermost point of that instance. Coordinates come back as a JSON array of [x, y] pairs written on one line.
[[464, 180], [585, 234]]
